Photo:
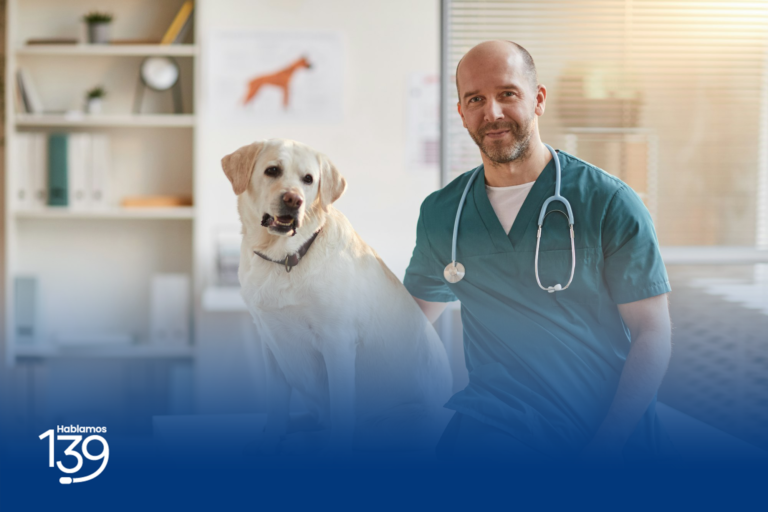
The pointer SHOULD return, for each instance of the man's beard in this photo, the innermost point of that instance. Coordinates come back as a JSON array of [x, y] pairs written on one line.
[[498, 151]]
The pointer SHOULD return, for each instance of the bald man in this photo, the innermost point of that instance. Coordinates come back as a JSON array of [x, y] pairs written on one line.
[[569, 374]]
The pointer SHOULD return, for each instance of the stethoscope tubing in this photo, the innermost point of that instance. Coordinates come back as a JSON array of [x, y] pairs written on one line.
[[542, 214]]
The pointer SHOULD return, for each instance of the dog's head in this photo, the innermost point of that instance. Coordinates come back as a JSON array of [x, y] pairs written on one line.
[[282, 181]]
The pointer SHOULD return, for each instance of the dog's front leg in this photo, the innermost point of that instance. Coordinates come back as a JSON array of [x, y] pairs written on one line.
[[278, 403], [340, 365]]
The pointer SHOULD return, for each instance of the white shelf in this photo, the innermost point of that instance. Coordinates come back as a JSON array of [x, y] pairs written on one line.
[[179, 212], [713, 255], [116, 352], [139, 50], [129, 120]]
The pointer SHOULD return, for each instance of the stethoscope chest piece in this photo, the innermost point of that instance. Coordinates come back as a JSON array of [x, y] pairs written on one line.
[[454, 272]]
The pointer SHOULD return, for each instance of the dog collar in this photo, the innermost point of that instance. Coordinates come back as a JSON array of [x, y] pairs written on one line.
[[292, 260]]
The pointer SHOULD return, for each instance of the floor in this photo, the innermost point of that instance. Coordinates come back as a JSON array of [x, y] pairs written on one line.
[[719, 368]]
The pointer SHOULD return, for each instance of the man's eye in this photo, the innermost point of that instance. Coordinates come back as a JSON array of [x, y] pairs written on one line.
[[308, 179], [472, 100], [272, 171], [509, 93]]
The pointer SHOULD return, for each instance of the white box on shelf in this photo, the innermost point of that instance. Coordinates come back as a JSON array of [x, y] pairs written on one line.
[[25, 303], [170, 306]]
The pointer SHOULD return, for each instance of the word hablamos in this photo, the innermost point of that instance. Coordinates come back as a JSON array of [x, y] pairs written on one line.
[[77, 429]]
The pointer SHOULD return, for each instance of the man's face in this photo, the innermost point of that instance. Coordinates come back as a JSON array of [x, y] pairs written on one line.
[[498, 104]]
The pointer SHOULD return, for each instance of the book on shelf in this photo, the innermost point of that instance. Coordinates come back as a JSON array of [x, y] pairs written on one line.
[[28, 92], [123, 42], [155, 201], [51, 40], [179, 24], [185, 30]]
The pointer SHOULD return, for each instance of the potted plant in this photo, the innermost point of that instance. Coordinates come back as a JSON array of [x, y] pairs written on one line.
[[98, 27], [93, 99]]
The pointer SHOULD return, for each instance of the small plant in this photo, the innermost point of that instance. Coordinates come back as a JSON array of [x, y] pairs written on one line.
[[96, 93], [97, 17]]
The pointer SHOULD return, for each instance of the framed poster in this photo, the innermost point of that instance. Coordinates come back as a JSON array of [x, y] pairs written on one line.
[[267, 77]]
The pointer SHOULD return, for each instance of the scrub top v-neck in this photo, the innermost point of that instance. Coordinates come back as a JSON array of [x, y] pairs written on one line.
[[543, 367]]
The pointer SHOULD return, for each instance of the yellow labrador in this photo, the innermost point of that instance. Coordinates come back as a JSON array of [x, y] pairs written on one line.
[[337, 326]]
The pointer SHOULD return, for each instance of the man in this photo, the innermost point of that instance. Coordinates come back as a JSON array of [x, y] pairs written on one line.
[[551, 375]]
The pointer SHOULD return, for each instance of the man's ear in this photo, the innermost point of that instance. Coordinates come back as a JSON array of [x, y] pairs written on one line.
[[238, 166], [332, 183]]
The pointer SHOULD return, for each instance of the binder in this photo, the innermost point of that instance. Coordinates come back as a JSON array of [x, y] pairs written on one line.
[[58, 182], [101, 169], [79, 159], [21, 176], [38, 161]]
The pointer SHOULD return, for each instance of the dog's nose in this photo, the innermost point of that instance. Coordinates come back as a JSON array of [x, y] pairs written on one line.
[[292, 200]]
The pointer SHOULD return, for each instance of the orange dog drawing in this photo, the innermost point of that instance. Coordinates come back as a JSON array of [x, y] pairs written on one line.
[[280, 79]]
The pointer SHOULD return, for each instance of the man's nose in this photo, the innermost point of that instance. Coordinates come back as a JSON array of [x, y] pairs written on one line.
[[292, 200], [493, 111]]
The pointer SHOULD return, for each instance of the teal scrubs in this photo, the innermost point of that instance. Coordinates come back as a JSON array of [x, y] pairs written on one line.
[[544, 367]]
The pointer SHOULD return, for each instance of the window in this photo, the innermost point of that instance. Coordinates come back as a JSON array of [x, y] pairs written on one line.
[[670, 96]]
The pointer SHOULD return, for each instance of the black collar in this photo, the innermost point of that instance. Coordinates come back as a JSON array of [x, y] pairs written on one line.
[[292, 260]]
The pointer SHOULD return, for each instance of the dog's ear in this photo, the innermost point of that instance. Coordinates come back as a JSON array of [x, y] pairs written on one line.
[[238, 166], [332, 183]]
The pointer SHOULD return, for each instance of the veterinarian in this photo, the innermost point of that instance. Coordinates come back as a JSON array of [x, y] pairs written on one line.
[[552, 372]]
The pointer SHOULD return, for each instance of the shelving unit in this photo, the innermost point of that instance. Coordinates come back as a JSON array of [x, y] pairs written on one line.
[[94, 267], [90, 352], [182, 213], [112, 120], [86, 50]]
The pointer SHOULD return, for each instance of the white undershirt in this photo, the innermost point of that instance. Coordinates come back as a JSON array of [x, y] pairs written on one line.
[[507, 201]]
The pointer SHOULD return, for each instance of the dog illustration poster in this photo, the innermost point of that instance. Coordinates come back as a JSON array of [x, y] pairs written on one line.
[[267, 77]]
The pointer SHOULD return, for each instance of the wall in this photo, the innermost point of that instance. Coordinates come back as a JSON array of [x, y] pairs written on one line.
[[384, 43]]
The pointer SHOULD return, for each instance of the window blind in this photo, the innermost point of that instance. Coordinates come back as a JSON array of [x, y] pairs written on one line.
[[670, 96]]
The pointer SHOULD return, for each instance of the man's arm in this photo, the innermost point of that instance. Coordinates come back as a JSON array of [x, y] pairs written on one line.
[[647, 361], [432, 310]]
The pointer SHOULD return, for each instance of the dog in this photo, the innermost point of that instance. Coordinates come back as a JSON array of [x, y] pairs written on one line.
[[280, 79], [337, 326]]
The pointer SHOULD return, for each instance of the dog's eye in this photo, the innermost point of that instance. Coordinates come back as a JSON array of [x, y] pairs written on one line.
[[272, 171], [308, 179]]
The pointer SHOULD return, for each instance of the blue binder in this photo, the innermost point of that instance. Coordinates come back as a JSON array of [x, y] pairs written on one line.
[[58, 193]]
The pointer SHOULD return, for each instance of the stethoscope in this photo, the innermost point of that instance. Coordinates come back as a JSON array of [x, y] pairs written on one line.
[[454, 271]]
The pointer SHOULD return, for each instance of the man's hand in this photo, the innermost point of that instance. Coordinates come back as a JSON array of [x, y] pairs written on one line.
[[644, 369]]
